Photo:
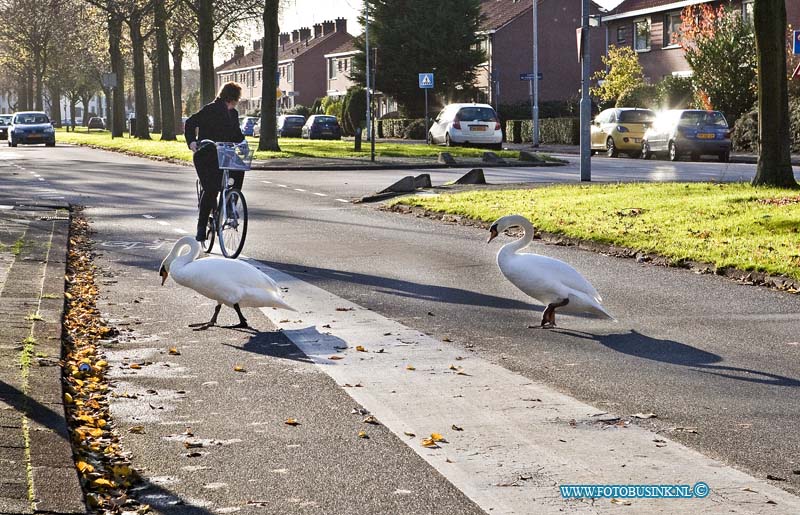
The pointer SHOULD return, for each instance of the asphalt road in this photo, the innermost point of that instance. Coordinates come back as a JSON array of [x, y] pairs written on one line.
[[699, 351]]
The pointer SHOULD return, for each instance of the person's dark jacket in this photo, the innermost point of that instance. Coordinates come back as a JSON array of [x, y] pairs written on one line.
[[215, 122]]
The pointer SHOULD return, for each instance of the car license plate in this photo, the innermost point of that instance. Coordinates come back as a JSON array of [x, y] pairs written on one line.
[[477, 128], [34, 135], [706, 135]]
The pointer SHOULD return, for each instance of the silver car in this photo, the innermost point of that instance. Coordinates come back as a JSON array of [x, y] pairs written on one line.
[[692, 132]]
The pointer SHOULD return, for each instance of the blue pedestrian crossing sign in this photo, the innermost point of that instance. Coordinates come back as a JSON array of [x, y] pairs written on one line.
[[426, 80], [796, 45]]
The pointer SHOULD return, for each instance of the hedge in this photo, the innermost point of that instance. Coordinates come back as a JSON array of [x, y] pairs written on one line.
[[559, 131], [401, 128], [744, 137]]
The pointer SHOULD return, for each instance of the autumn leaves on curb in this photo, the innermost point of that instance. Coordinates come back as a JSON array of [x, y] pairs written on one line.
[[105, 469]]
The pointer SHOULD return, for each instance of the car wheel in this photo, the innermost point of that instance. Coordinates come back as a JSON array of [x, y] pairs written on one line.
[[673, 151], [447, 141], [724, 157], [611, 148], [430, 139], [53, 144], [13, 143], [695, 156], [645, 153]]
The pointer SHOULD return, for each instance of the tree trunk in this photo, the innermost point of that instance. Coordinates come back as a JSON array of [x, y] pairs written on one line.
[[85, 102], [774, 161], [177, 81], [268, 140], [162, 60], [55, 106], [29, 90], [108, 114], [139, 82], [156, 96], [72, 113], [205, 50], [118, 68]]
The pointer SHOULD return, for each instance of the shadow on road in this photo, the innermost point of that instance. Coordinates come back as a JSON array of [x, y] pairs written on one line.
[[642, 346]]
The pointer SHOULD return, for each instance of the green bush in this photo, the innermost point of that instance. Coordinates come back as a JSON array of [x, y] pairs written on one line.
[[555, 131], [354, 110], [675, 92], [744, 137], [642, 95], [415, 129], [299, 109]]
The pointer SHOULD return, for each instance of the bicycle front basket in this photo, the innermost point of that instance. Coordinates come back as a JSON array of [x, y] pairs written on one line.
[[234, 157]]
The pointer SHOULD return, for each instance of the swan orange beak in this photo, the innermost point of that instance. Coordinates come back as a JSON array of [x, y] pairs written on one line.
[[492, 234], [164, 274]]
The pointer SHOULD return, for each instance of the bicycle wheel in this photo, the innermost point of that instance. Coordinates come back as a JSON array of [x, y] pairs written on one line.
[[232, 227], [211, 232]]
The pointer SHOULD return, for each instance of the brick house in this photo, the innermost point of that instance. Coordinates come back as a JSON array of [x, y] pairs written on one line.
[[508, 43], [301, 65], [649, 26], [339, 66]]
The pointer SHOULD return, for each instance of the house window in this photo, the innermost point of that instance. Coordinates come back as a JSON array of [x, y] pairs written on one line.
[[290, 73], [331, 68], [641, 35], [346, 64], [621, 35], [747, 11], [672, 29]]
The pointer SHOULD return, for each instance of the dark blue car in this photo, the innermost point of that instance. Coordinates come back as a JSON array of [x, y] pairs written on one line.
[[322, 126], [691, 132], [31, 128], [247, 124]]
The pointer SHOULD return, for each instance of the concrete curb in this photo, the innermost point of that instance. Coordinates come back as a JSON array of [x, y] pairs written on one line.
[[39, 270]]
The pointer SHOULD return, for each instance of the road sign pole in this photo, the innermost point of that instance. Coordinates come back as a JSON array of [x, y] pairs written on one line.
[[535, 82], [586, 105], [427, 133]]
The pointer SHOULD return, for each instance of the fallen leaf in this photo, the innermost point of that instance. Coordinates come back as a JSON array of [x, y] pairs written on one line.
[[410, 367], [775, 478], [363, 434], [84, 467], [334, 357], [344, 309], [137, 430], [371, 420], [239, 368], [453, 367], [360, 348], [135, 366], [381, 351], [436, 437], [102, 482], [194, 454], [429, 443], [456, 428], [174, 351], [409, 434], [644, 415], [192, 445], [292, 422], [618, 501]]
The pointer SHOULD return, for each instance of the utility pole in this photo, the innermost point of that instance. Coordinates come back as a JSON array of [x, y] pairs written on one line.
[[366, 39], [586, 103], [535, 99]]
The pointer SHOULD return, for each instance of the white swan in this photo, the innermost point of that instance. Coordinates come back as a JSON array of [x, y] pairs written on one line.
[[550, 281], [227, 281]]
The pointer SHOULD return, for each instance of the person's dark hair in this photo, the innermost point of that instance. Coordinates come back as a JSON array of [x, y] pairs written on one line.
[[230, 92]]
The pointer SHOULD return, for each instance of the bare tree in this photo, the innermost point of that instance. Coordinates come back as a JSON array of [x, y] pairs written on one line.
[[162, 11]]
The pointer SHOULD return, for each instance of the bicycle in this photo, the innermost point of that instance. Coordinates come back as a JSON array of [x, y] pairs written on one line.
[[228, 220]]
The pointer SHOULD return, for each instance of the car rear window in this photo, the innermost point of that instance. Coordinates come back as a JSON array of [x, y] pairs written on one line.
[[325, 119], [636, 116], [480, 114], [5, 119], [28, 119], [294, 121], [704, 118]]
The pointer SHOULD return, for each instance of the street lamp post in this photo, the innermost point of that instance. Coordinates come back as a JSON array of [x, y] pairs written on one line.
[[366, 55], [586, 105], [535, 83]]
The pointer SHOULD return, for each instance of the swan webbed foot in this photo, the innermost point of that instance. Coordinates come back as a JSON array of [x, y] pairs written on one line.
[[240, 325], [202, 327]]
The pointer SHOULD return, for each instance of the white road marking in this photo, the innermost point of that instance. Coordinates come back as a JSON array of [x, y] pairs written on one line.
[[179, 231], [149, 217], [320, 194], [267, 182], [299, 189], [342, 200], [162, 222], [41, 178], [282, 186], [516, 432]]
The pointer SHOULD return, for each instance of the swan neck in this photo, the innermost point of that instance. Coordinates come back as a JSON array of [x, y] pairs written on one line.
[[524, 241], [194, 252]]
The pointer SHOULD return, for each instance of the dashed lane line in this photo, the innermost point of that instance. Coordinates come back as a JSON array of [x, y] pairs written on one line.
[[320, 194], [161, 222]]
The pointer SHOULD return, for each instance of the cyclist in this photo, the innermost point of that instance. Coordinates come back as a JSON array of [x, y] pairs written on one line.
[[217, 121]]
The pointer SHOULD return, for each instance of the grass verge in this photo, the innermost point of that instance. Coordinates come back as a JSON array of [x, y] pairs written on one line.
[[290, 147], [725, 225]]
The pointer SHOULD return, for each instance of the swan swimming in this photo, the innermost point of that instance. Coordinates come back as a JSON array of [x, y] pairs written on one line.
[[550, 281], [227, 281]]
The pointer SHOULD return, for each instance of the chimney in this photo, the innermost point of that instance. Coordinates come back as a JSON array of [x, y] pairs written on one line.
[[317, 30], [328, 27], [284, 38], [295, 36], [256, 45], [238, 52], [341, 24], [305, 33]]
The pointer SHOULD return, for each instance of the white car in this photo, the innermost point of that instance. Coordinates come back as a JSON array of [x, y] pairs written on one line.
[[469, 124]]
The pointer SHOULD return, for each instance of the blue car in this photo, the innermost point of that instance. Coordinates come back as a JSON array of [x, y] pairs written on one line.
[[247, 124], [691, 132], [321, 126], [30, 128]]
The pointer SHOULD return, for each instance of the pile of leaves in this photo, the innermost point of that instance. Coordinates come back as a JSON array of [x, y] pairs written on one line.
[[105, 470]]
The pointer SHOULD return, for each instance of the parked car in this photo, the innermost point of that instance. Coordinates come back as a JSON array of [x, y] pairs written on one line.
[[247, 123], [290, 125], [31, 128], [321, 126], [96, 122], [688, 131], [467, 124], [5, 121], [257, 128], [620, 130]]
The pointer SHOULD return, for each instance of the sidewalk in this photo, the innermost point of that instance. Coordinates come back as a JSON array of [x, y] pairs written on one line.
[[37, 472]]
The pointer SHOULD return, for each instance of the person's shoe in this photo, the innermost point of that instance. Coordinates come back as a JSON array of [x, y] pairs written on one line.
[[201, 233]]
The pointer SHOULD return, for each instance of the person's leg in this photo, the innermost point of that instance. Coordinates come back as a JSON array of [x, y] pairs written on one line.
[[205, 162]]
